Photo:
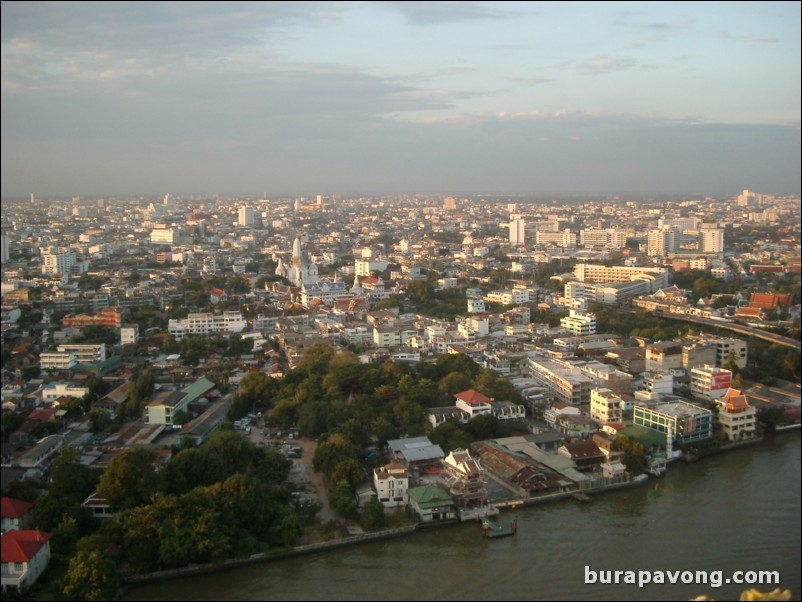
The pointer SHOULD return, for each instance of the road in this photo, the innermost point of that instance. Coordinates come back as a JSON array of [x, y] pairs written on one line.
[[739, 328]]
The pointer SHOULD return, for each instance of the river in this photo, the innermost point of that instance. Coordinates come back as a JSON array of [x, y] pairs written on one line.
[[737, 511]]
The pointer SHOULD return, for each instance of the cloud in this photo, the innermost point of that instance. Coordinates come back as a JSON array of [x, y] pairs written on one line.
[[607, 64], [532, 81], [440, 13]]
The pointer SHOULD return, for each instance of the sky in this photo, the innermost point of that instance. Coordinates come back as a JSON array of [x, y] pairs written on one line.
[[400, 97]]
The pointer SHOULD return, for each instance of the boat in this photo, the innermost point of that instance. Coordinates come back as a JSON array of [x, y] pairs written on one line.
[[491, 528]]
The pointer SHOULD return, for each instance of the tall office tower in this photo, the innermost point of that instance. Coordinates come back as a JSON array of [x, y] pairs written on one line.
[[711, 240], [512, 207], [6, 251], [33, 198], [450, 204], [246, 217], [517, 230], [662, 241]]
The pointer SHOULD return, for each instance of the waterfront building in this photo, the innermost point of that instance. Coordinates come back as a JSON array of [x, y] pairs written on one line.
[[465, 478], [737, 418], [686, 421], [391, 482], [431, 503]]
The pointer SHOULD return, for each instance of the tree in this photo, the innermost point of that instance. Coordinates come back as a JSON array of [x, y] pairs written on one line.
[[342, 500], [91, 575], [634, 454], [348, 471], [373, 517], [130, 479]]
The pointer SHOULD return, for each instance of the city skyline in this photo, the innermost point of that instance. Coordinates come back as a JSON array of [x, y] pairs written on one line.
[[390, 97]]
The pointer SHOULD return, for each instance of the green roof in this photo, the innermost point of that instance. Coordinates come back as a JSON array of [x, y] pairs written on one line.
[[648, 437], [200, 387], [429, 496]]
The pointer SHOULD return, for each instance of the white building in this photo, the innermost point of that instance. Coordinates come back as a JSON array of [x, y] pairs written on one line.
[[52, 391], [476, 305], [737, 418], [710, 382], [204, 324], [391, 483], [566, 238], [54, 360], [85, 354], [579, 323], [473, 403], [129, 334], [508, 297], [711, 240], [517, 231], [662, 241], [246, 217], [163, 236], [25, 556], [300, 271], [607, 406], [589, 272], [60, 262]]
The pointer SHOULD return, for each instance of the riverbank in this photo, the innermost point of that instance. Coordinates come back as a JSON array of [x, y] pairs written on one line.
[[512, 504], [205, 569]]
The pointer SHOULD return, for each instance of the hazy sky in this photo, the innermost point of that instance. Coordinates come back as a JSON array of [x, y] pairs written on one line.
[[398, 97]]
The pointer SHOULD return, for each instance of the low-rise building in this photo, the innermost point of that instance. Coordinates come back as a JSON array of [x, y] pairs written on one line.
[[391, 483], [465, 479], [737, 418], [25, 555], [16, 514], [710, 382], [432, 503], [687, 422]]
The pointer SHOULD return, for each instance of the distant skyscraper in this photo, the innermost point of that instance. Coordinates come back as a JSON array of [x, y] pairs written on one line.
[[450, 204], [711, 240], [246, 217], [6, 252], [662, 241], [517, 231]]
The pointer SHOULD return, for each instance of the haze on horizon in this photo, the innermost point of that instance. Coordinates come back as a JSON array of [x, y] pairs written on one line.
[[400, 97]]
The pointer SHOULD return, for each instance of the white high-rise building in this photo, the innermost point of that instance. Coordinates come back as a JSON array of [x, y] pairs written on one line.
[[246, 217], [59, 263], [711, 240], [6, 251], [662, 241], [517, 231]]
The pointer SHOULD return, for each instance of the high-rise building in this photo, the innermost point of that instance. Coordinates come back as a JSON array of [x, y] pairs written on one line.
[[246, 217], [517, 230], [711, 240], [450, 204], [6, 252], [60, 262], [662, 241]]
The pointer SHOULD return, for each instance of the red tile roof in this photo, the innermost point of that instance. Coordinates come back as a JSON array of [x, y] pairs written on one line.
[[22, 546], [14, 508], [769, 300], [472, 397]]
